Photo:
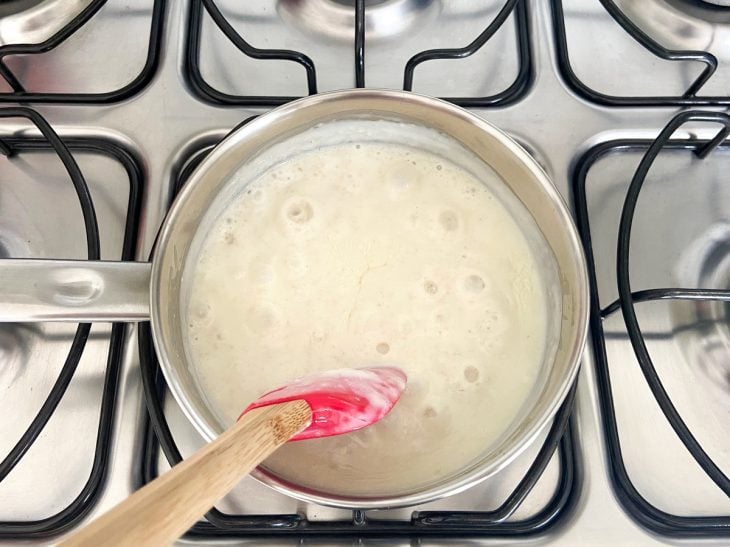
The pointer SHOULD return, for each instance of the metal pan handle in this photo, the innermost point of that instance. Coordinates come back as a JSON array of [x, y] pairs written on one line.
[[79, 291]]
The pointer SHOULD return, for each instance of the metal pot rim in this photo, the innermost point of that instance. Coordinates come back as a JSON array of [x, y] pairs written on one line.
[[268, 123]]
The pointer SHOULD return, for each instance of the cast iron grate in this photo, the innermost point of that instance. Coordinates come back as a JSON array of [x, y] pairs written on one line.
[[445, 524], [688, 98], [50, 142], [19, 92], [636, 505], [515, 91]]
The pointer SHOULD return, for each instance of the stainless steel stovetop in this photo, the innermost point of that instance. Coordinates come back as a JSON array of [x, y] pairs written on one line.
[[144, 87]]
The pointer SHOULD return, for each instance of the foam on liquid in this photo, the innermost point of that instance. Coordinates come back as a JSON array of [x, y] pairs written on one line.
[[364, 254]]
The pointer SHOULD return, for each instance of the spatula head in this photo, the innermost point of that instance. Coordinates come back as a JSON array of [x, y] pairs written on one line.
[[342, 400]]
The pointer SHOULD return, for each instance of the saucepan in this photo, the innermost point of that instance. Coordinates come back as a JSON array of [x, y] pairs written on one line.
[[83, 291]]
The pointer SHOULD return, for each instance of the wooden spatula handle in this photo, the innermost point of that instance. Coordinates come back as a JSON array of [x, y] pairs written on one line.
[[164, 509]]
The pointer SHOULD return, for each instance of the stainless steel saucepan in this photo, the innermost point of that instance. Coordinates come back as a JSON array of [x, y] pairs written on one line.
[[81, 291]]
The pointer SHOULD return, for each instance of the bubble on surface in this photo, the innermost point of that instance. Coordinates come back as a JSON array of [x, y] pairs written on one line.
[[471, 374], [449, 220], [430, 287], [429, 412], [202, 314], [474, 283], [298, 211]]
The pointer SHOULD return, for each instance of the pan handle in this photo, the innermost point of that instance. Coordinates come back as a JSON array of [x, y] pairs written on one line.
[[79, 291]]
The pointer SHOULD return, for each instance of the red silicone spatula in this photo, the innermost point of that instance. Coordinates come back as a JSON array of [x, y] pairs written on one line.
[[320, 405]]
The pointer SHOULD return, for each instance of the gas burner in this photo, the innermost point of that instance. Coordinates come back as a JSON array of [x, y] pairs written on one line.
[[715, 12], [712, 11], [669, 324], [680, 23], [57, 51], [9, 7], [711, 3], [336, 18], [704, 327], [683, 47], [34, 21]]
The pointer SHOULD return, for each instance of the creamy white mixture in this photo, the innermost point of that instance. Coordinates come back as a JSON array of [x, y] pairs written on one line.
[[366, 254]]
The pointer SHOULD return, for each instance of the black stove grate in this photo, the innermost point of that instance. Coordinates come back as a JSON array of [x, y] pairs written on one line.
[[636, 505], [446, 524], [515, 91], [50, 142], [19, 92], [688, 98]]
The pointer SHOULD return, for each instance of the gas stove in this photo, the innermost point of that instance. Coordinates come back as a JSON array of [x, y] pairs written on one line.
[[622, 102]]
